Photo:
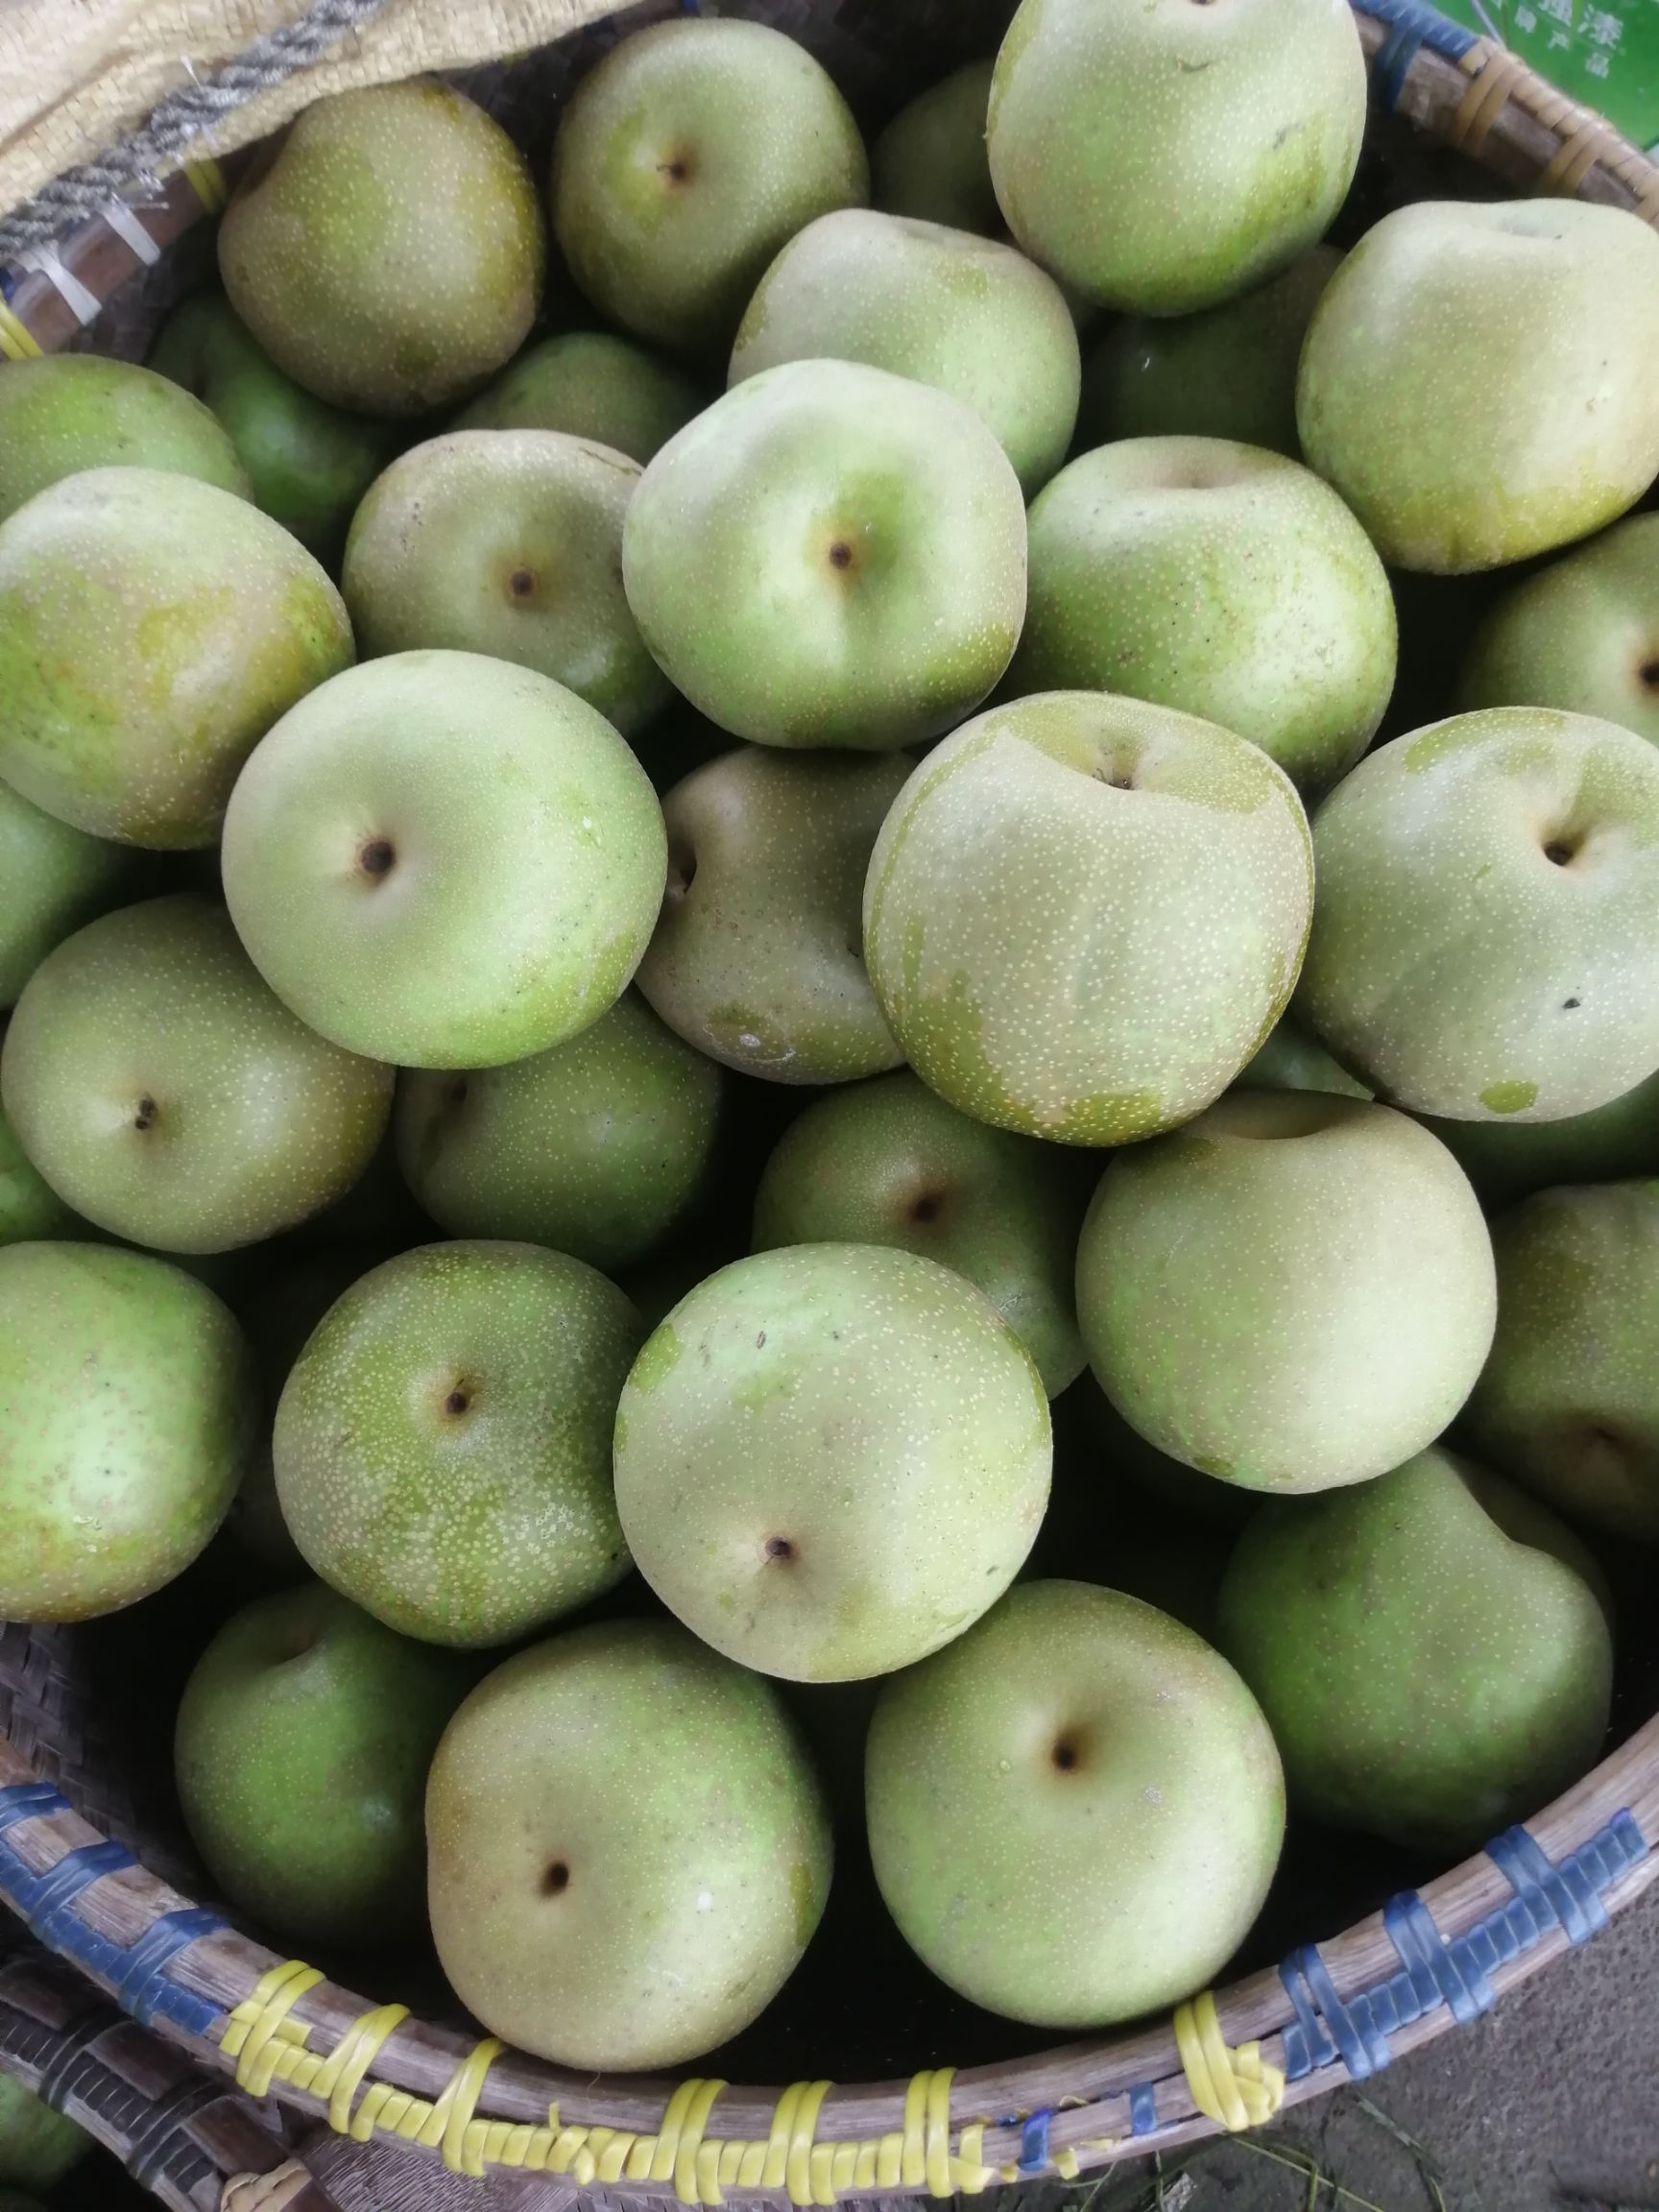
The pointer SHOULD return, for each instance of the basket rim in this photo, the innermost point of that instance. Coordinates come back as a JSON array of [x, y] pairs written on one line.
[[1332, 2012]]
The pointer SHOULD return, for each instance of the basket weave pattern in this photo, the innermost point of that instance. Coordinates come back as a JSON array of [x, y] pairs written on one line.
[[1329, 2013]]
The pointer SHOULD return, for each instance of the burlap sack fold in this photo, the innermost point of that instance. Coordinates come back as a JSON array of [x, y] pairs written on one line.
[[79, 76]]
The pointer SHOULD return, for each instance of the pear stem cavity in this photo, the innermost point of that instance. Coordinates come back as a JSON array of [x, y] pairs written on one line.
[[557, 1879], [378, 858]]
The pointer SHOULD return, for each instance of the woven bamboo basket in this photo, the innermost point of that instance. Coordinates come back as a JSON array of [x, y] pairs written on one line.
[[396, 2106]]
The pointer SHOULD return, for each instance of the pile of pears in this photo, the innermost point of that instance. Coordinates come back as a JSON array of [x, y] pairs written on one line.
[[644, 908]]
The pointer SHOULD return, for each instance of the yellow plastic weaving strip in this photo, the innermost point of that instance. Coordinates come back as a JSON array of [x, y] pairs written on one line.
[[207, 182], [268, 2046], [16, 343], [1236, 2088]]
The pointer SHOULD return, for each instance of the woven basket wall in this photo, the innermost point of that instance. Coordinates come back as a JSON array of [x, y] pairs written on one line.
[[424, 2114]]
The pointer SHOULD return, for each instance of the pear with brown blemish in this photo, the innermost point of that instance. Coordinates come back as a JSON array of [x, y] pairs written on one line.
[[627, 1849], [152, 630], [507, 542], [1485, 937], [1084, 914], [443, 1443], [756, 957], [831, 1459], [684, 160], [1076, 1811]]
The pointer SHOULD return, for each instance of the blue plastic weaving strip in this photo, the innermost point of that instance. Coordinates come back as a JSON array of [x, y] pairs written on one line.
[[1553, 1897], [1142, 2109], [43, 1901], [1034, 2143], [1412, 26], [1456, 1973], [143, 1983], [28, 1801], [1435, 1970], [45, 1896]]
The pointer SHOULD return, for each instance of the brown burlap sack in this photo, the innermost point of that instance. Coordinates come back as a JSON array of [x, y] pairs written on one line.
[[78, 77]]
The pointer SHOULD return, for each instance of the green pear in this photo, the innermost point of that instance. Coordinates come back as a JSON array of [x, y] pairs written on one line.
[[66, 413], [152, 629], [1432, 1660], [444, 861], [684, 160], [829, 555], [39, 2144], [1581, 634], [1485, 939], [931, 161], [301, 1753], [507, 542], [831, 1459], [1219, 579], [1510, 1160], [387, 248], [1164, 158], [1294, 1291], [1229, 371], [169, 1096], [890, 1163], [278, 1311], [1084, 914], [308, 462], [443, 1443], [965, 314], [756, 960], [1569, 1402], [29, 1206], [627, 1849], [126, 1407], [1290, 1060], [596, 1147], [1477, 382], [53, 879], [590, 384], [1076, 1811]]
